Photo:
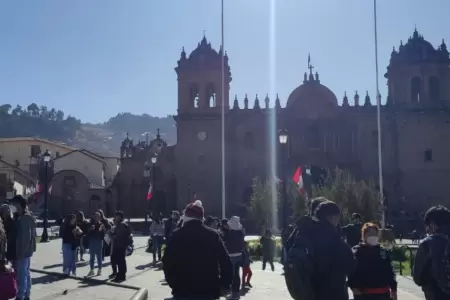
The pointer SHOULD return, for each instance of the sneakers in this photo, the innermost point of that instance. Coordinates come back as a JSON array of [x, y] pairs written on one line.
[[99, 272], [91, 273], [66, 271], [249, 285]]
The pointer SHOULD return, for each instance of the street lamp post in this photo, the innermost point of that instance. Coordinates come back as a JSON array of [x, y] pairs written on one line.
[[283, 138], [154, 160], [46, 157], [147, 176]]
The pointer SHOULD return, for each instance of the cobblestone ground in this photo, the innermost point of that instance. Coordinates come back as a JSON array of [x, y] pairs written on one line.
[[46, 287], [266, 284]]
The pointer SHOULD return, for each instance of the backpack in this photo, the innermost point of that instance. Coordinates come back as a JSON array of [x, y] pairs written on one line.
[[440, 253], [300, 268]]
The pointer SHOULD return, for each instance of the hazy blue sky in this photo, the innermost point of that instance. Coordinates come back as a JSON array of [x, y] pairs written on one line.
[[95, 58]]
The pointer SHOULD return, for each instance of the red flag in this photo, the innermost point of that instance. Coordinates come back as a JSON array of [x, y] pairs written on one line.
[[150, 192], [298, 179], [40, 190]]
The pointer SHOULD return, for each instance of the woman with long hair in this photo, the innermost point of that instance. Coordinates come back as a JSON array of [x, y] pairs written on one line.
[[2, 245], [70, 234]]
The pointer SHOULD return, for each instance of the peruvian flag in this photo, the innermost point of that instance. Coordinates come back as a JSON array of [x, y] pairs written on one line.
[[298, 179], [40, 189], [150, 192]]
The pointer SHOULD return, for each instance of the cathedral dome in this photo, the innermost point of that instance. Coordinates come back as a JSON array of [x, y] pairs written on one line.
[[312, 91]]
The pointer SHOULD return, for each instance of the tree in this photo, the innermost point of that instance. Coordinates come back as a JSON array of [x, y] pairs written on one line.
[[262, 206], [33, 110], [59, 116], [5, 108], [352, 196], [17, 111]]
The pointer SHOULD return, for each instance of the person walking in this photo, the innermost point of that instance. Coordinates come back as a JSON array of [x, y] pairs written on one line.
[[246, 269], [157, 236], [431, 269], [196, 263], [268, 246], [234, 240], [121, 238], [319, 261], [96, 235], [374, 277], [25, 245]]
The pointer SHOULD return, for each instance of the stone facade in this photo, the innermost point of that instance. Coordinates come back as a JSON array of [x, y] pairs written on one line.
[[71, 191], [415, 124]]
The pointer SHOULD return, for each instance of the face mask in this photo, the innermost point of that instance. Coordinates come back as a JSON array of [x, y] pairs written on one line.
[[13, 209], [372, 240]]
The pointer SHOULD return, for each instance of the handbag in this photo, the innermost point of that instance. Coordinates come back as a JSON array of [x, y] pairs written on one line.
[[8, 285]]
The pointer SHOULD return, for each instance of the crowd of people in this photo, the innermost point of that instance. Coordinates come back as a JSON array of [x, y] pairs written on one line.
[[204, 257]]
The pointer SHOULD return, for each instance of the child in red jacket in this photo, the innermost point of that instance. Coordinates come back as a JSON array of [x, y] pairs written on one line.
[[246, 270]]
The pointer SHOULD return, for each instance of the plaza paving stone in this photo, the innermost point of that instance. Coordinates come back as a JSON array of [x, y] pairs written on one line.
[[266, 284], [47, 287]]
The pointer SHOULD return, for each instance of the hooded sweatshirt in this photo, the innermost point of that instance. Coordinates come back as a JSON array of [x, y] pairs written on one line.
[[26, 236]]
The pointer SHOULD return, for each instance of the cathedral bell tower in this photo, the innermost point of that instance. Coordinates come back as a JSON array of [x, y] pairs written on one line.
[[200, 80], [419, 74]]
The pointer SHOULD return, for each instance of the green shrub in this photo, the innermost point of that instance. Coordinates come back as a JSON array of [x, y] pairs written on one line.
[[255, 249]]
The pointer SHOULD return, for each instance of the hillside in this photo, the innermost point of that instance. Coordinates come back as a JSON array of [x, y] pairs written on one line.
[[105, 138]]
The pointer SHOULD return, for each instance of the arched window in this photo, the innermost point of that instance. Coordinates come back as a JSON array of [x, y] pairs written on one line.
[[415, 89], [194, 96], [249, 141], [211, 95], [433, 89]]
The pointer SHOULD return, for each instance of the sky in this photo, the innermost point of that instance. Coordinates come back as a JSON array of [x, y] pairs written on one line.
[[96, 58]]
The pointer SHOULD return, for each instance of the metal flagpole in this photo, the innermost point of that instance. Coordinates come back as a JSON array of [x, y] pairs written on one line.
[[223, 115], [380, 161]]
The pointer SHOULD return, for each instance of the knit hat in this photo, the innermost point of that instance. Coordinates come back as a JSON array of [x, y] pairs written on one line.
[[235, 223], [195, 210]]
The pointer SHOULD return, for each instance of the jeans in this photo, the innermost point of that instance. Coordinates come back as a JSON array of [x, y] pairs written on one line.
[[157, 245], [118, 263], [237, 263], [96, 251], [69, 259], [81, 248], [23, 278]]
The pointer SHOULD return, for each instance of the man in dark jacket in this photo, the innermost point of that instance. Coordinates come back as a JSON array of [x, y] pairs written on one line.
[[196, 263], [437, 224], [352, 232], [121, 239], [171, 224], [333, 256], [25, 245], [304, 221]]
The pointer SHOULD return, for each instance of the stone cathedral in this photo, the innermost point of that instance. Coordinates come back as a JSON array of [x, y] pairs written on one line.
[[415, 124]]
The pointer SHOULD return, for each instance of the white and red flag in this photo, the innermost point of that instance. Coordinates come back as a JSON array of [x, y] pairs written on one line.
[[39, 190], [298, 179], [150, 192]]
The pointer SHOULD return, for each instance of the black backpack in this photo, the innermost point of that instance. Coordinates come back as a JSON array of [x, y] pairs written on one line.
[[300, 269], [440, 254]]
